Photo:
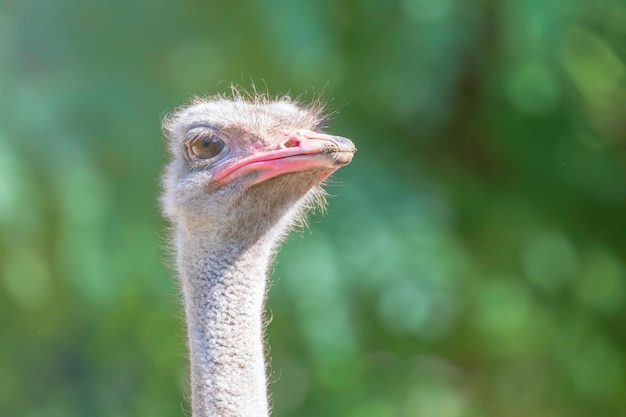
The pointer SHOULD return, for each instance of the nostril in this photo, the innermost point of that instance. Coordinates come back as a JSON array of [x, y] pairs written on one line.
[[291, 143]]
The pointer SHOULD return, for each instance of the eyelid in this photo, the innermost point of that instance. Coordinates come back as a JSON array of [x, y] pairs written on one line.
[[205, 126], [201, 132]]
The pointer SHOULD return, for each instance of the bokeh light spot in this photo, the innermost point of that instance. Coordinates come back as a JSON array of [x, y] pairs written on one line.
[[27, 278], [601, 283], [504, 311], [427, 11], [434, 400], [549, 261], [532, 88], [592, 65]]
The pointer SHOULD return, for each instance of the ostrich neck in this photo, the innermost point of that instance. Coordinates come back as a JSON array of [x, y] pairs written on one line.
[[224, 291]]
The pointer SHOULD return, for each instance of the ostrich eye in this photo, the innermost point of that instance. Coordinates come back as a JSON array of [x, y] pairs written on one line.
[[206, 147]]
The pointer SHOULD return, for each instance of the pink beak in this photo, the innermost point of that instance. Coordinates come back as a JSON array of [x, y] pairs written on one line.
[[301, 150]]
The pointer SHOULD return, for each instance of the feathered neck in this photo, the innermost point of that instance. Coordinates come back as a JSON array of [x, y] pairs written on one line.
[[224, 289]]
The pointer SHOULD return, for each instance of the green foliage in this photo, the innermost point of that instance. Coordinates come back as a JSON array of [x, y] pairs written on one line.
[[472, 262]]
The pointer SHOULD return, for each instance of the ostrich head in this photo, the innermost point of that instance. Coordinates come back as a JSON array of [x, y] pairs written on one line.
[[241, 167]]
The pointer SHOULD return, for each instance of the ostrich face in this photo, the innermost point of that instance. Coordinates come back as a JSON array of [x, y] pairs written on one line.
[[231, 157]]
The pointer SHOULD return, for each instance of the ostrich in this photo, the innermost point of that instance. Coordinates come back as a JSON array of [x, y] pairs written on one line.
[[243, 171]]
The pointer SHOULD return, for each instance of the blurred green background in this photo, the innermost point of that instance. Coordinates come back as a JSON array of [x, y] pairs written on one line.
[[473, 259]]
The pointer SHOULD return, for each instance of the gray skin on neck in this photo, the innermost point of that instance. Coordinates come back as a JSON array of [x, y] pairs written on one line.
[[224, 237]]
